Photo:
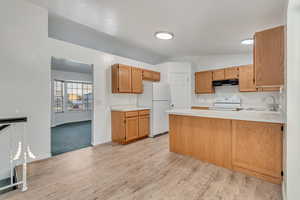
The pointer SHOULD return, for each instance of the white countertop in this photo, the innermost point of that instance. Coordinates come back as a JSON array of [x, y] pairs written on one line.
[[128, 108], [259, 116]]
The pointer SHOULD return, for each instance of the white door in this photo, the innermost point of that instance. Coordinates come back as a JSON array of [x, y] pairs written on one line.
[[180, 89]]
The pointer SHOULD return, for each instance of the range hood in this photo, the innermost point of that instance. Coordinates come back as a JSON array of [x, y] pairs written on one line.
[[226, 82]]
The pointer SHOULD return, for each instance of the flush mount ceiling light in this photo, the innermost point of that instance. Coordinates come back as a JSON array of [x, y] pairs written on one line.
[[249, 41], [163, 35]]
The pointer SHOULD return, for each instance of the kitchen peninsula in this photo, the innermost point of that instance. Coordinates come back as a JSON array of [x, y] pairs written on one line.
[[246, 141]]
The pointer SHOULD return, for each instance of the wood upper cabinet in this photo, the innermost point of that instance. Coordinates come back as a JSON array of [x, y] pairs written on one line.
[[231, 73], [203, 82], [137, 80], [246, 79], [121, 79], [219, 74], [156, 76], [257, 149], [151, 75], [129, 126], [127, 79], [147, 75], [269, 57]]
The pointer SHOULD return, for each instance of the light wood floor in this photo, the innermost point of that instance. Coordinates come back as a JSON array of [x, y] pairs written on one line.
[[142, 170]]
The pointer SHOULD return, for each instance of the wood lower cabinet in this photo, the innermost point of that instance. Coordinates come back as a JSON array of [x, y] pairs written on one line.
[[206, 139], [144, 125], [203, 82], [257, 149], [130, 126], [253, 148]]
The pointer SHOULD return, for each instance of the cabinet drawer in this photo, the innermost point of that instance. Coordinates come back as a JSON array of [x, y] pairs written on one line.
[[131, 114], [144, 112]]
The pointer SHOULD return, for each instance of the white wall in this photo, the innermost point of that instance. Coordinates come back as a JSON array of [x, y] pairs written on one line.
[[202, 63], [25, 74], [25, 56], [69, 116], [293, 106]]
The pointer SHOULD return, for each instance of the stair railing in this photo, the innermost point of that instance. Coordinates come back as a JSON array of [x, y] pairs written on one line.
[[22, 152]]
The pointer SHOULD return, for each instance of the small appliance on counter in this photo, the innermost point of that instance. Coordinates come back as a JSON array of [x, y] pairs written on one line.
[[227, 103], [156, 96]]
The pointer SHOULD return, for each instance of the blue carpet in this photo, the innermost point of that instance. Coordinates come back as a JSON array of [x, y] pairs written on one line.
[[71, 136]]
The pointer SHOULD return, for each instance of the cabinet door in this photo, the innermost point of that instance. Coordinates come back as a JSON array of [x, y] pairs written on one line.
[[136, 80], [246, 79], [269, 57], [147, 75], [218, 74], [132, 128], [118, 128], [124, 77], [206, 139], [257, 148], [232, 73], [144, 125], [203, 82], [156, 76], [268, 89]]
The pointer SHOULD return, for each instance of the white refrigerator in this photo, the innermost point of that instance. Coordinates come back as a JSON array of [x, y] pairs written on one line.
[[157, 97]]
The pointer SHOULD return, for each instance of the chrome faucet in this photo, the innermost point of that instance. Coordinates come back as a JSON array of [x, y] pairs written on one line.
[[273, 106]]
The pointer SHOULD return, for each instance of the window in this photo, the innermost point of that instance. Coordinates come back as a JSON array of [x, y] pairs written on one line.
[[87, 96], [58, 96], [79, 96]]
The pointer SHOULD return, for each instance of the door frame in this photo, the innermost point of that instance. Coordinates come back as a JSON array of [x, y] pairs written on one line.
[[52, 99]]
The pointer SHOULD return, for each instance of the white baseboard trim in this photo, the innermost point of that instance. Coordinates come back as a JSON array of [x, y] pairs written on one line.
[[283, 191], [102, 142]]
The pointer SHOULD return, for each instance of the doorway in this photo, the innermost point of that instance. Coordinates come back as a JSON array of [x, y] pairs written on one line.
[[72, 105], [180, 89]]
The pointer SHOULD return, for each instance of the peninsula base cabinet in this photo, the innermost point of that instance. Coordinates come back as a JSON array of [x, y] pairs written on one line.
[[130, 126], [253, 148], [257, 149], [206, 139]]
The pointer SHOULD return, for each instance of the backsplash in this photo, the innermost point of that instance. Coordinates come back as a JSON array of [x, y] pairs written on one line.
[[249, 99]]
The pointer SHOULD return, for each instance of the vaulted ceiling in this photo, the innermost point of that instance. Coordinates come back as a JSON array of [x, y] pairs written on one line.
[[201, 27]]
